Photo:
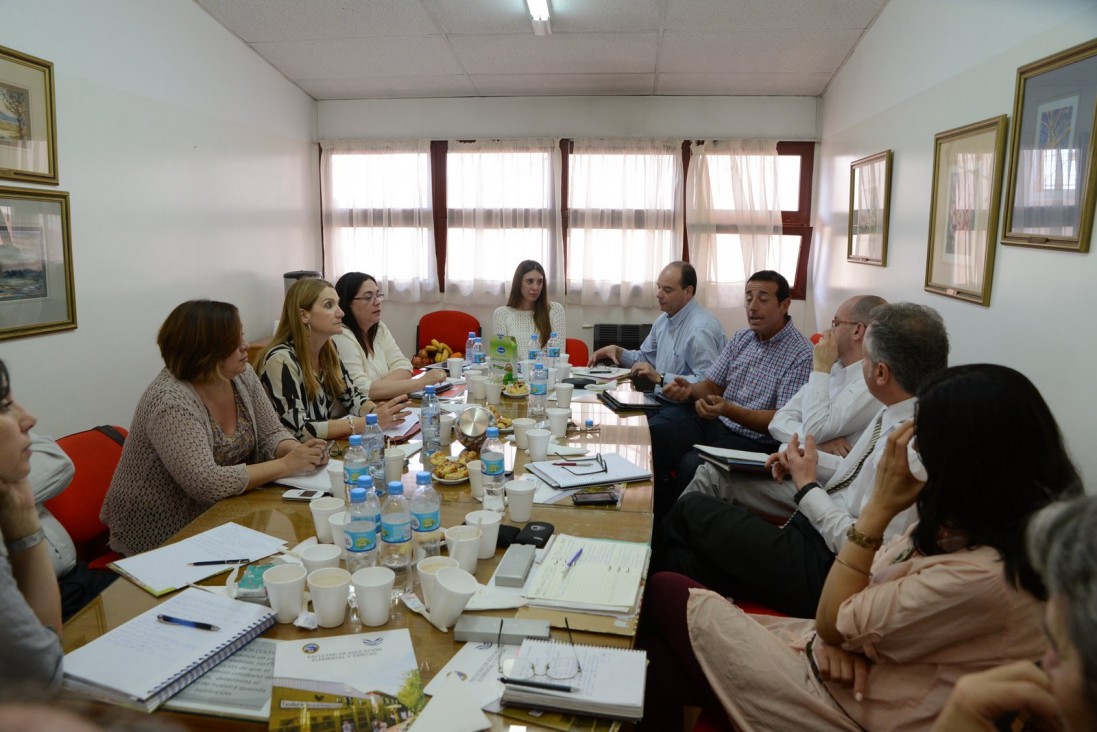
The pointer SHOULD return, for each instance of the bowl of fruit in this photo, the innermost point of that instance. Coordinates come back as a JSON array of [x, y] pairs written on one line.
[[436, 352]]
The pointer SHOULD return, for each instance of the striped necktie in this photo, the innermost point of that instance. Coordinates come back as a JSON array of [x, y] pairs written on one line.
[[852, 474]]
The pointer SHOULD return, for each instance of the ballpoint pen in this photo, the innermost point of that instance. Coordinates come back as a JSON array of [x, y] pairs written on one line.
[[211, 562], [538, 684], [170, 620], [574, 559]]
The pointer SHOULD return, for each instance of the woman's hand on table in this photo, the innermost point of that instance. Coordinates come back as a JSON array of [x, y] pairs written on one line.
[[306, 456], [394, 411], [434, 376]]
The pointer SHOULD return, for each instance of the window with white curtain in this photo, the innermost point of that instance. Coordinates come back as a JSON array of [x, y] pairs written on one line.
[[378, 214], [624, 218], [501, 199]]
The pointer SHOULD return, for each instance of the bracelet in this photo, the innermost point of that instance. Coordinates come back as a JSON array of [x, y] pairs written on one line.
[[799, 495], [855, 569], [863, 541], [27, 542], [350, 421]]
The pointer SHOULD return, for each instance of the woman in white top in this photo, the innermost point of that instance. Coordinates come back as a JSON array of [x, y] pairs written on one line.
[[375, 363], [528, 310]]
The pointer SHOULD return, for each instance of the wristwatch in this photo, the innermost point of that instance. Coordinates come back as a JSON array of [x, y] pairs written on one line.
[[799, 496], [27, 542]]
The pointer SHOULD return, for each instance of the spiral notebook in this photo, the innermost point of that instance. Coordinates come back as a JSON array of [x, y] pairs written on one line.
[[609, 684], [144, 662]]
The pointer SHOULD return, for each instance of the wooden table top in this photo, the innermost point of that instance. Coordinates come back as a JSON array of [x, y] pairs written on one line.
[[264, 510]]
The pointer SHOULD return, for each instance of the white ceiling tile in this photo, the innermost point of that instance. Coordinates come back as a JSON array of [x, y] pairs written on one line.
[[369, 57], [606, 16], [557, 54], [390, 87], [740, 15], [743, 52], [281, 20], [534, 85], [479, 16], [795, 84]]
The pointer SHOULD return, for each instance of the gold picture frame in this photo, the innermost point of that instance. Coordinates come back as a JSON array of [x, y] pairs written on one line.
[[869, 209], [1053, 158], [963, 215], [28, 126], [37, 289]]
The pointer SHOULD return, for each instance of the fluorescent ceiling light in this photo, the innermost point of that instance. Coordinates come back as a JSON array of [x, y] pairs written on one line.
[[539, 14]]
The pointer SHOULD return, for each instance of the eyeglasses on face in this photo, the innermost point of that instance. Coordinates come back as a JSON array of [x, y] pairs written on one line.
[[367, 299], [559, 668], [835, 323]]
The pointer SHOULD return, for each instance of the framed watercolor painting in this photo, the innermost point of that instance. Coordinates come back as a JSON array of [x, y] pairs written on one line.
[[869, 209], [28, 132]]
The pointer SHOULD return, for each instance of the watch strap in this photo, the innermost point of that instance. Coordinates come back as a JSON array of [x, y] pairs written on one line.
[[27, 542], [799, 496]]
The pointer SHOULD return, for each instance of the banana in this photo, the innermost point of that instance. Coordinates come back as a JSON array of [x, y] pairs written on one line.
[[438, 358], [434, 342], [431, 349]]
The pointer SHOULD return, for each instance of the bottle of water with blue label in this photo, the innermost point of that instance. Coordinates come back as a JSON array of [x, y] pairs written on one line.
[[354, 465], [426, 517], [479, 358], [360, 533], [552, 350], [469, 345], [429, 415], [373, 442], [533, 353], [373, 502], [538, 392], [491, 471], [396, 546]]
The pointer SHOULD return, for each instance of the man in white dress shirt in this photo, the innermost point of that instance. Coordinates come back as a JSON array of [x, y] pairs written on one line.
[[835, 407]]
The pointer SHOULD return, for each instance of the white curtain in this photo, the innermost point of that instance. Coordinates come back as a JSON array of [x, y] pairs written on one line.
[[503, 208], [733, 217], [378, 216], [625, 218]]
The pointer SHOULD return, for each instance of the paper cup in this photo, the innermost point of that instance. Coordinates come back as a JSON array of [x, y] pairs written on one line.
[[445, 427], [322, 509], [338, 523], [488, 523], [521, 425], [563, 371], [463, 544], [558, 421], [335, 477], [563, 395], [453, 589], [520, 500], [373, 589], [321, 556], [476, 386], [456, 366], [526, 368], [394, 463], [476, 479], [285, 585], [552, 378], [538, 440], [493, 392], [427, 569], [329, 588]]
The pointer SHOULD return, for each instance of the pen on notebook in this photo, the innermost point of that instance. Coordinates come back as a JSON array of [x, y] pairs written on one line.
[[537, 684], [211, 562], [564, 465], [189, 623], [574, 559]]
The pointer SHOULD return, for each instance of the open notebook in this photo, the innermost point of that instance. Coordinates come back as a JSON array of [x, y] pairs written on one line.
[[143, 662]]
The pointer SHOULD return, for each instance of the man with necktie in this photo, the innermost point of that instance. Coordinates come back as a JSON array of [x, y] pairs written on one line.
[[732, 550]]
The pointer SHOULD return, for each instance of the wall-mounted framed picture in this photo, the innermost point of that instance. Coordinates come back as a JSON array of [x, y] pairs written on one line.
[[28, 128], [1053, 160], [37, 292], [869, 209], [963, 214]]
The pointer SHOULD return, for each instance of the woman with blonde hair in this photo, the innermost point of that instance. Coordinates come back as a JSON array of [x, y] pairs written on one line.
[[528, 310], [304, 376]]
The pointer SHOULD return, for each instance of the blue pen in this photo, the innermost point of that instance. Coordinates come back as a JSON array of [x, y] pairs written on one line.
[[573, 560], [170, 620]]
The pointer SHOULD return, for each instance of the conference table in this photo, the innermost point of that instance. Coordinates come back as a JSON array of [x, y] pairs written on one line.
[[264, 510]]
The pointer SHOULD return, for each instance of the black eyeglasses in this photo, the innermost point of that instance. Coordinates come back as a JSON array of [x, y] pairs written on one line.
[[558, 668], [367, 299], [586, 466]]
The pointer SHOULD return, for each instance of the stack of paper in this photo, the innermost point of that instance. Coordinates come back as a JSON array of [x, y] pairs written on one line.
[[590, 575]]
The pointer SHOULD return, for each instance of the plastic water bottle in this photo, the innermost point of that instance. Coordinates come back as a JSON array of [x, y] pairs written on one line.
[[355, 463], [373, 503], [360, 534], [429, 416], [534, 353], [396, 546], [426, 517], [478, 355], [469, 345], [538, 392], [553, 350], [491, 471], [373, 443]]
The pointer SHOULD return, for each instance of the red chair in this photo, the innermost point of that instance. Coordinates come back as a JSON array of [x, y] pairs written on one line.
[[816, 337], [578, 353], [95, 455], [451, 327]]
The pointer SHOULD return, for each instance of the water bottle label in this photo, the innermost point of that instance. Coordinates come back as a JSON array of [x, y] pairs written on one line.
[[491, 463], [360, 541], [426, 521], [534, 353], [350, 475], [478, 358], [538, 388], [554, 352], [395, 533]]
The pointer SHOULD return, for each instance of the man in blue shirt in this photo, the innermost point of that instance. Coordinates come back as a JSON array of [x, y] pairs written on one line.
[[684, 340]]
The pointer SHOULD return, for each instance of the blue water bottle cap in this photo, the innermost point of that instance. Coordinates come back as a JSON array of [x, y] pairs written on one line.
[[396, 488], [357, 495], [365, 482], [429, 389], [493, 433], [422, 478], [589, 423], [371, 419], [355, 440]]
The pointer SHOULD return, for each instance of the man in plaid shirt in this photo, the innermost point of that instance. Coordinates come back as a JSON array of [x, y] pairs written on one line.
[[760, 369]]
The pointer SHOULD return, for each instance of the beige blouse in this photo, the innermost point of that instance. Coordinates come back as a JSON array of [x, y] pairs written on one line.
[[365, 369]]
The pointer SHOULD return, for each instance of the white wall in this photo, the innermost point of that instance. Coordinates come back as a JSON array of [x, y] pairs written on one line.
[[785, 118], [192, 173], [927, 66]]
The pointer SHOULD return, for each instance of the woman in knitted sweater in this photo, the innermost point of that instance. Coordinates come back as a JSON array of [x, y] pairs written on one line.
[[204, 430], [528, 310]]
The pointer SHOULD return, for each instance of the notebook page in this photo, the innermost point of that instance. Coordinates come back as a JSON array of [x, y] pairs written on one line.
[[607, 573]]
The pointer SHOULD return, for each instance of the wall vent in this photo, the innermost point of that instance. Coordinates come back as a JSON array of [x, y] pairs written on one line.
[[626, 335]]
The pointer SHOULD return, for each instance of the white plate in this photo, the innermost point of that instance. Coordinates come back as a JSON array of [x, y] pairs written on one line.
[[448, 481], [515, 396]]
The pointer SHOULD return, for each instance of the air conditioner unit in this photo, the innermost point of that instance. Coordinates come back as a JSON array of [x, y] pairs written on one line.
[[626, 335]]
